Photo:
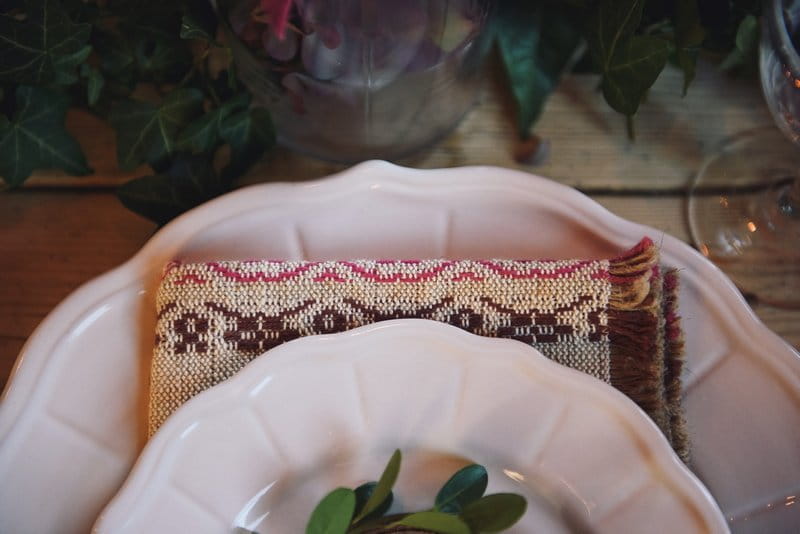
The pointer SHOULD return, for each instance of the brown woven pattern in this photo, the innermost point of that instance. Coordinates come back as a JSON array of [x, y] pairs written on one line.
[[606, 318]]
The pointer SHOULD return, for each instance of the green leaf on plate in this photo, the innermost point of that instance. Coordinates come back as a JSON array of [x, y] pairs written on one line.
[[363, 493], [464, 487], [332, 515], [438, 522], [537, 40], [146, 132], [34, 49], [494, 513], [189, 181], [35, 137], [383, 488]]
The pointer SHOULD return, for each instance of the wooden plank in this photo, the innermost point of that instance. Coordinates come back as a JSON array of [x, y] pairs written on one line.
[[589, 147], [54, 241], [664, 213]]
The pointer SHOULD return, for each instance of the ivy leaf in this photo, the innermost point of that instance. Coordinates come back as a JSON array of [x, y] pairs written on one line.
[[190, 181], [438, 522], [36, 138], [250, 133], [65, 66], [332, 515], [94, 84], [383, 488], [633, 70], [363, 493], [151, 21], [747, 35], [611, 24], [465, 486], [162, 60], [30, 49], [689, 35], [629, 63], [494, 513], [537, 40], [203, 134], [146, 132], [117, 57]]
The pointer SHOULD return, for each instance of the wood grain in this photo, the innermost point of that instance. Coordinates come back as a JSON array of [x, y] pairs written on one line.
[[54, 241]]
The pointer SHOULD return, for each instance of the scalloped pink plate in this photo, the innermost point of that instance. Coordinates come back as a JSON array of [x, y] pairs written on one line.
[[260, 450], [72, 420]]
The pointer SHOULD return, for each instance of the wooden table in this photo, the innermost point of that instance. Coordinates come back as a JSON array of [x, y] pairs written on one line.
[[59, 232]]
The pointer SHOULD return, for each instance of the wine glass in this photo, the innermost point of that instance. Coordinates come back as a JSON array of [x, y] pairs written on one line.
[[744, 206]]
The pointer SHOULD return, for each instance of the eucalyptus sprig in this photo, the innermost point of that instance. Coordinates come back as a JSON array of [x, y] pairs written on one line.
[[460, 507]]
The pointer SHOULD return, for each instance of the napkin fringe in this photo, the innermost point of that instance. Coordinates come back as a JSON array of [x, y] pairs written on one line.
[[636, 334], [674, 358]]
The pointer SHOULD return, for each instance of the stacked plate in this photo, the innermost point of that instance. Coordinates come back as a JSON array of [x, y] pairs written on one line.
[[72, 421]]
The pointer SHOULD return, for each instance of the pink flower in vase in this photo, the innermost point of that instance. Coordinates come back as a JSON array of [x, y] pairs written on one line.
[[277, 12]]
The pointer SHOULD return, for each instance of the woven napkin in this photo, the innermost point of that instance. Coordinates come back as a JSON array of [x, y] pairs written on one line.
[[614, 319]]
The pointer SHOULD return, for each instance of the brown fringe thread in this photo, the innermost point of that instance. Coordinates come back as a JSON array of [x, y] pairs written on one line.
[[674, 357], [642, 340]]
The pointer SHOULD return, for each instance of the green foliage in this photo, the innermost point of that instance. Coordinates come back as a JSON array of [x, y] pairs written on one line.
[[147, 132], [747, 35], [383, 488], [41, 44], [536, 41], [439, 522], [363, 493], [189, 181], [464, 487], [494, 513], [629, 63], [460, 506], [35, 137], [142, 65], [333, 514], [689, 36], [629, 43]]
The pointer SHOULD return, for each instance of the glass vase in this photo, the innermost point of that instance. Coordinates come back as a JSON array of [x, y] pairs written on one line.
[[349, 80]]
